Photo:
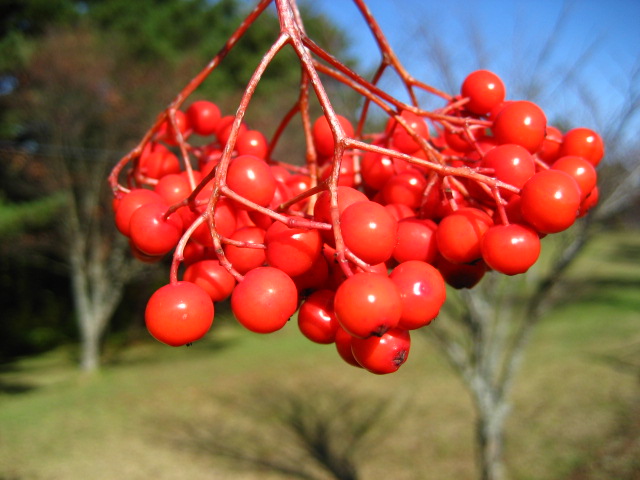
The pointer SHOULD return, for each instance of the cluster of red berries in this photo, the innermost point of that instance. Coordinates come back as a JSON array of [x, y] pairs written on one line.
[[438, 198]]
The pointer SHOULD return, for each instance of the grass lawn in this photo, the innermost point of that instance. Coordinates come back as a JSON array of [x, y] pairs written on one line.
[[156, 412]]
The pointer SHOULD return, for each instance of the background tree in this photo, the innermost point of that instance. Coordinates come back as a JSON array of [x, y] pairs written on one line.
[[484, 331], [86, 80]]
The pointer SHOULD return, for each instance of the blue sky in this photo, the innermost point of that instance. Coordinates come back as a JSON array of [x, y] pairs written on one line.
[[511, 30], [615, 22]]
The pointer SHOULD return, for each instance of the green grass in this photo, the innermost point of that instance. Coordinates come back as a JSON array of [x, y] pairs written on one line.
[[129, 421]]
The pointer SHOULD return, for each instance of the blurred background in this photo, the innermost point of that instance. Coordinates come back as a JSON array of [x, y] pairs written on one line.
[[84, 391]]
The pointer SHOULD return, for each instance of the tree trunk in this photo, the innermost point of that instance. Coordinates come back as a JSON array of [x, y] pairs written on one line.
[[96, 295], [89, 326], [93, 318], [90, 349], [490, 442]]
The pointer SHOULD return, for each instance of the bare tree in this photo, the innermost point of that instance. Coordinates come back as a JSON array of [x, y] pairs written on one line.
[[77, 116], [484, 331]]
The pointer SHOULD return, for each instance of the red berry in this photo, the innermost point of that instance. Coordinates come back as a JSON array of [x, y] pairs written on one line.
[[384, 354], [194, 252], [129, 203], [203, 117], [314, 278], [406, 187], [521, 122], [485, 91], [152, 232], [589, 202], [345, 195], [212, 277], [416, 240], [323, 137], [464, 140], [169, 134], [343, 345], [400, 211], [582, 171], [264, 300], [367, 304], [376, 169], [322, 208], [262, 220], [550, 200], [159, 163], [550, 148], [252, 178], [459, 234], [369, 231], [225, 222], [173, 188], [422, 290], [347, 173], [402, 139], [316, 318], [245, 258], [461, 275], [510, 163], [224, 127], [297, 184], [179, 313], [252, 142], [583, 142], [292, 250], [510, 249]]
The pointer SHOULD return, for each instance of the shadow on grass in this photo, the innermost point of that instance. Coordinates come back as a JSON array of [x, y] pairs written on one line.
[[626, 251], [616, 292], [9, 386], [143, 349], [308, 431], [604, 284], [618, 456]]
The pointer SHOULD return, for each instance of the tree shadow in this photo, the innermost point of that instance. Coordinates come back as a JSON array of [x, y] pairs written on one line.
[[620, 292], [626, 251], [141, 349], [10, 386], [10, 477], [306, 431], [618, 457], [609, 287]]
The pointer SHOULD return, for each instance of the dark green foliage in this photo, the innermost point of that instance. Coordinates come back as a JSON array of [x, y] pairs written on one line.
[[15, 218], [36, 312], [33, 17], [167, 30], [21, 20]]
